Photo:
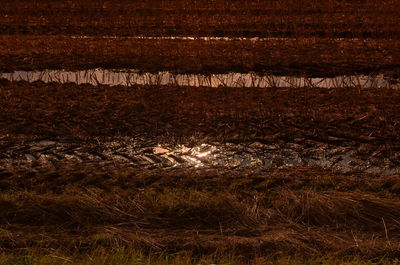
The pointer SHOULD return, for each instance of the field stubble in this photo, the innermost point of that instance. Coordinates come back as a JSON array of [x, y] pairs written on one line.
[[309, 57], [334, 114], [76, 208], [296, 211], [302, 212], [288, 18]]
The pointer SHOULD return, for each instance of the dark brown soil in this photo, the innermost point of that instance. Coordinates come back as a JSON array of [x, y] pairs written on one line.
[[303, 56], [352, 115], [319, 39], [270, 18], [76, 206]]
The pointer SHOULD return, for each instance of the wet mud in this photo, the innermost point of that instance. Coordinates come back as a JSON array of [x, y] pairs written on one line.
[[252, 128], [142, 155]]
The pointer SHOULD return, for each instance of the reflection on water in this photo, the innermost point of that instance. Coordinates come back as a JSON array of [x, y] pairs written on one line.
[[138, 154], [134, 77], [261, 155], [202, 38], [190, 38], [194, 156]]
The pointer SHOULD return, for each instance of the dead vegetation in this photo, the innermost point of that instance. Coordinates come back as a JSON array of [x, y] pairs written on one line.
[[312, 38], [75, 209], [297, 56], [303, 212], [337, 115], [251, 18]]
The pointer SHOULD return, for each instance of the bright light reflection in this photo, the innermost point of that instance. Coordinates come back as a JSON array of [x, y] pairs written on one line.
[[196, 156], [131, 77], [203, 154]]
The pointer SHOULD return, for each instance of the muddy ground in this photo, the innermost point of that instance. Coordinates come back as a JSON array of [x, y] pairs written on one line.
[[272, 172], [303, 38], [145, 162], [303, 56], [336, 115], [252, 18]]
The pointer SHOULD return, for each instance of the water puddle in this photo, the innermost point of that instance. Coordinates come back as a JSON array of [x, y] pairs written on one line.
[[135, 77], [190, 38], [203, 38], [131, 153]]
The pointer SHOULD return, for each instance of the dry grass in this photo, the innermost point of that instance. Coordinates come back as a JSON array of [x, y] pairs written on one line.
[[124, 256], [319, 213], [86, 213]]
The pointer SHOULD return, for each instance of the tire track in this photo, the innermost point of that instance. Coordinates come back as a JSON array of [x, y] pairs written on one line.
[[142, 154]]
